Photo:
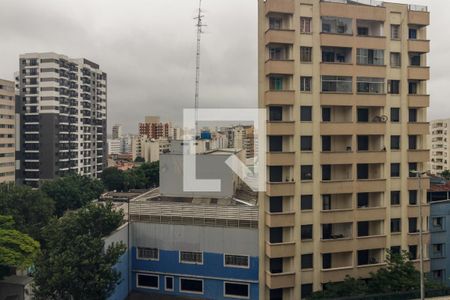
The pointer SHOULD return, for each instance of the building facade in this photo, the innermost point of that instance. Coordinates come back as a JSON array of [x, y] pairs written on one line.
[[440, 248], [63, 119], [7, 131], [440, 141], [345, 87], [153, 128], [117, 131]]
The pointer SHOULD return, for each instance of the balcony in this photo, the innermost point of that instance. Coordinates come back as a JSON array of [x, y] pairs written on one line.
[[338, 245], [280, 189], [280, 158], [370, 213], [418, 128], [336, 274], [419, 18], [337, 186], [282, 36], [413, 183], [418, 101], [285, 67], [281, 128], [376, 13], [336, 215], [418, 155], [370, 185], [280, 280], [418, 73], [283, 97], [421, 46], [371, 128], [283, 219], [331, 128], [371, 242], [280, 250], [280, 6], [336, 40]]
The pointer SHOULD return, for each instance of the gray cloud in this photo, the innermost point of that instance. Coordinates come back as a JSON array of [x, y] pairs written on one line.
[[147, 47]]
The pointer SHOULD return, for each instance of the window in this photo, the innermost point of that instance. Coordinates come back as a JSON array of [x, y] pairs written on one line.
[[276, 204], [438, 250], [191, 285], [362, 171], [275, 143], [240, 261], [147, 281], [306, 232], [306, 113], [276, 83], [306, 143], [396, 249], [363, 142], [191, 257], [238, 290], [337, 25], [394, 87], [305, 54], [412, 225], [370, 85], [306, 202], [413, 197], [168, 283], [307, 290], [275, 22], [395, 32], [395, 142], [326, 114], [396, 60], [413, 252], [305, 25], [363, 200], [326, 143], [370, 57], [395, 197], [340, 84], [326, 172], [412, 142], [413, 87], [438, 275], [412, 113], [412, 33], [395, 114], [147, 253], [414, 59], [307, 261], [275, 113], [395, 170], [412, 167], [306, 172], [396, 225], [438, 223], [305, 83], [363, 31], [362, 115]]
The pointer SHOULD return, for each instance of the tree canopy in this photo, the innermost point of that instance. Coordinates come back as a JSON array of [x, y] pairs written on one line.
[[30, 209], [75, 263], [142, 177], [72, 192], [17, 250], [398, 276]]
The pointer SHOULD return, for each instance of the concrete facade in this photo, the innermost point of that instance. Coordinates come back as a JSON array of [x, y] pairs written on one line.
[[440, 143], [7, 131], [345, 86]]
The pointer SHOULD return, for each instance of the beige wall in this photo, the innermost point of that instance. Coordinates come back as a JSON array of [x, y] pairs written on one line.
[[7, 131]]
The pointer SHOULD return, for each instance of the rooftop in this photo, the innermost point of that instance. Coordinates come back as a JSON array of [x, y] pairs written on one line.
[[377, 3]]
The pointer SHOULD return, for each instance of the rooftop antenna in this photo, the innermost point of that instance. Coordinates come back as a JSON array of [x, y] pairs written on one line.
[[199, 26]]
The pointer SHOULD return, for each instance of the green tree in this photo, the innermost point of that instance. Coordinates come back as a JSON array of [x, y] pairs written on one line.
[[446, 174], [72, 192], [30, 209], [113, 179], [151, 173], [349, 287], [76, 265], [17, 250], [139, 160]]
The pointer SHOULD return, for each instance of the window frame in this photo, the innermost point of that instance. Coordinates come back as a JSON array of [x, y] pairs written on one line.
[[336, 84], [310, 113], [236, 296], [306, 84], [236, 266], [306, 54], [147, 287], [165, 283], [191, 292], [306, 23], [138, 257], [190, 262], [395, 31]]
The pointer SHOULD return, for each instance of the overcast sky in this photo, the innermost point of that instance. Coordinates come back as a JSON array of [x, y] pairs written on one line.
[[147, 47]]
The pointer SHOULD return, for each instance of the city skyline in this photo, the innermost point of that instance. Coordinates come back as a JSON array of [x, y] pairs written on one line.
[[138, 73]]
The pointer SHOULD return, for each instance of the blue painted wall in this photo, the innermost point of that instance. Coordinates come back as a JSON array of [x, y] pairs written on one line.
[[212, 269], [441, 209], [121, 291]]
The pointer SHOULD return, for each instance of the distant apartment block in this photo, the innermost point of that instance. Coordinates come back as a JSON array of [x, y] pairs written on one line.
[[117, 131], [345, 86], [7, 131], [440, 142], [153, 128], [63, 117]]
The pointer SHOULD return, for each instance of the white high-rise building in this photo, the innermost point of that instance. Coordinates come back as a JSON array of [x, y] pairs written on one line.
[[63, 103], [440, 142]]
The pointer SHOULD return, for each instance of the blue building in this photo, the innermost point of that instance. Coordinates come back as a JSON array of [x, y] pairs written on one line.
[[204, 250], [440, 234]]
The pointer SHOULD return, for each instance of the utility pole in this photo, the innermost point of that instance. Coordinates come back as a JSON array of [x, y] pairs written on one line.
[[199, 26]]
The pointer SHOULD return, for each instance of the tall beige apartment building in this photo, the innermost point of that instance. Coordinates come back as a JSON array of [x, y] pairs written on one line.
[[440, 143], [7, 131], [345, 86]]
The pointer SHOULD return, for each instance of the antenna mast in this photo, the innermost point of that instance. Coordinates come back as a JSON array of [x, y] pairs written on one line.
[[199, 26]]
